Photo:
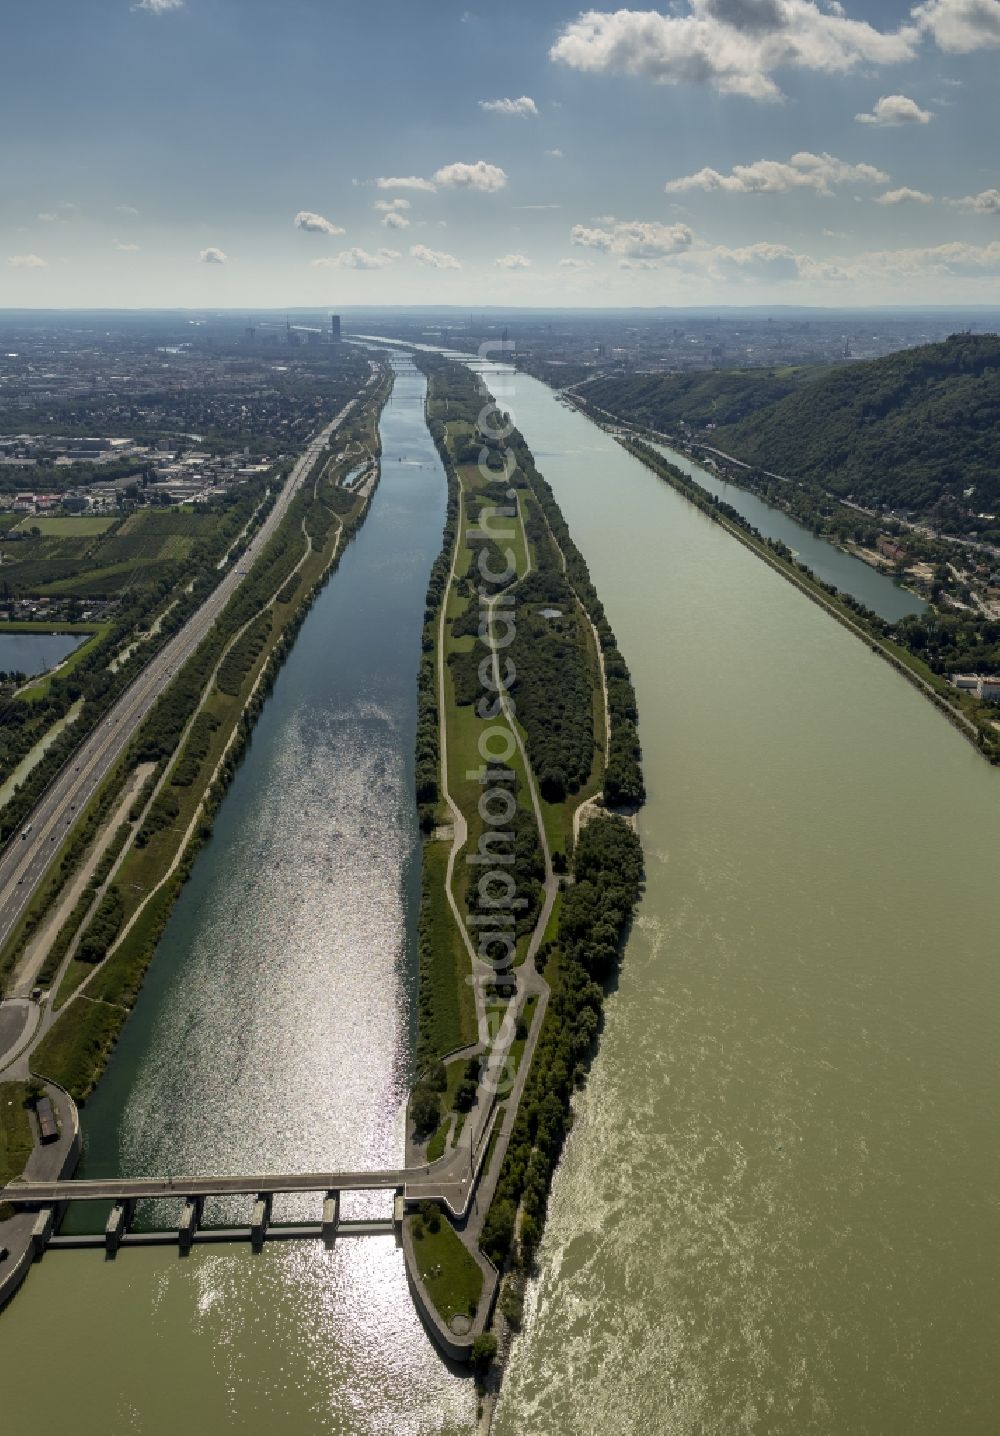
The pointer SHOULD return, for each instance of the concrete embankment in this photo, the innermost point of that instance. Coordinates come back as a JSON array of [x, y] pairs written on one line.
[[50, 1163]]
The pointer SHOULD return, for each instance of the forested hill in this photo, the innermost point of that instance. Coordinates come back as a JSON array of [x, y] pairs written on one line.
[[914, 430], [662, 401]]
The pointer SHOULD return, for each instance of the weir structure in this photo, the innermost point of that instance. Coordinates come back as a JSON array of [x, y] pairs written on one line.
[[450, 1181]]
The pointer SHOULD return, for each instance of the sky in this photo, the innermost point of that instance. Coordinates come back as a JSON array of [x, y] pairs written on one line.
[[254, 153]]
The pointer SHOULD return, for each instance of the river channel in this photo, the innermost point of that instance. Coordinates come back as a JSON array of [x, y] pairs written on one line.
[[777, 1210], [274, 1033]]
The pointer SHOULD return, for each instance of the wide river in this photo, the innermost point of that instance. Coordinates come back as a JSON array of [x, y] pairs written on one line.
[[777, 1211]]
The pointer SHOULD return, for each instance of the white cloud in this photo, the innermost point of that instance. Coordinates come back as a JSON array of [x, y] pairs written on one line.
[[634, 239], [48, 218], [127, 248], [481, 176], [524, 106], [128, 210], [513, 261], [357, 259], [212, 256], [158, 7], [953, 260], [575, 265], [555, 154], [404, 182], [315, 223], [961, 26], [758, 261], [434, 258], [878, 270], [392, 219], [986, 202], [387, 204], [895, 110], [27, 261], [732, 45], [905, 195], [802, 171]]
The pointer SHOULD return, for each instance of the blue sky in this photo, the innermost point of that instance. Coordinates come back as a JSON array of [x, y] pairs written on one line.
[[250, 153]]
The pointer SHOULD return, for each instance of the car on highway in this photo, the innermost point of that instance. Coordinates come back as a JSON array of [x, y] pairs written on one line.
[[26, 830]]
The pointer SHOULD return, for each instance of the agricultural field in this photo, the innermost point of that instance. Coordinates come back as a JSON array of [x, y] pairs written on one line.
[[67, 526], [102, 560]]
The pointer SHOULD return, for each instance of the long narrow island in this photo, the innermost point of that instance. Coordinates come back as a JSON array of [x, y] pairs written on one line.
[[528, 781]]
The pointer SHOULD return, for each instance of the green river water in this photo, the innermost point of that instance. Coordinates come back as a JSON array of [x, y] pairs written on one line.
[[778, 1208]]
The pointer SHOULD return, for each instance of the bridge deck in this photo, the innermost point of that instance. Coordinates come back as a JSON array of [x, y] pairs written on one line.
[[113, 1189]]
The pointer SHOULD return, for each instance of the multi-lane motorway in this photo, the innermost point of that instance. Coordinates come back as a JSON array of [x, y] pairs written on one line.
[[28, 855]]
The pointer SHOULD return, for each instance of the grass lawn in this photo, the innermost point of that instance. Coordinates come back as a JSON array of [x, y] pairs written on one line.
[[437, 1144], [498, 1122], [453, 1003], [451, 1276], [552, 926], [70, 526], [16, 1140], [31, 626], [74, 1052], [518, 1045]]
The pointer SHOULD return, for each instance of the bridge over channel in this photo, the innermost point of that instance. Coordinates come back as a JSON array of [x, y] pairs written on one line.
[[450, 1181]]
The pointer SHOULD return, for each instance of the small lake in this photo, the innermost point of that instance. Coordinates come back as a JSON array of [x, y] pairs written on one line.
[[851, 575], [33, 653]]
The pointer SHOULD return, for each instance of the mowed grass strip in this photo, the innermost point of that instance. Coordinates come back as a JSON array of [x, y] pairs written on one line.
[[451, 1004], [71, 1052], [16, 1138], [450, 1274], [464, 727]]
